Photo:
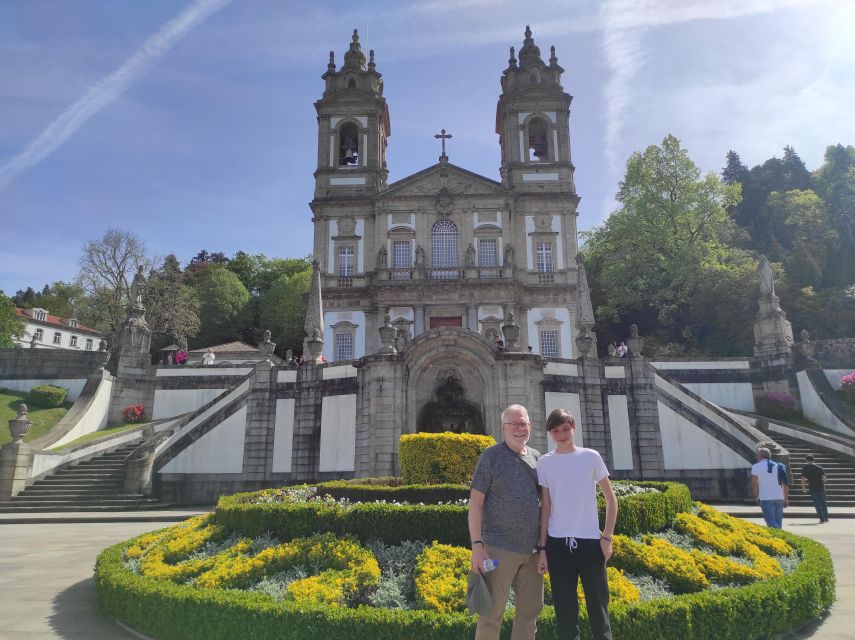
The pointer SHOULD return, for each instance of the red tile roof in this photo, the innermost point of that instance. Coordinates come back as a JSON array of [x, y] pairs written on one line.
[[54, 321], [229, 347]]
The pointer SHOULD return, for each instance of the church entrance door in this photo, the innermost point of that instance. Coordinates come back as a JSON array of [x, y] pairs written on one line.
[[445, 321]]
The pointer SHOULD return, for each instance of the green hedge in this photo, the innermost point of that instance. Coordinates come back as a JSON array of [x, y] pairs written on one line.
[[168, 611], [394, 523], [440, 458], [413, 493], [48, 395]]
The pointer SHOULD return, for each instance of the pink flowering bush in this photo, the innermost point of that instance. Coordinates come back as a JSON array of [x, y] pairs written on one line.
[[133, 413], [776, 404], [847, 387]]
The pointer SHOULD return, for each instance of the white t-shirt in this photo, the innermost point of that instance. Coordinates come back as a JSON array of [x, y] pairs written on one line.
[[571, 480], [768, 482]]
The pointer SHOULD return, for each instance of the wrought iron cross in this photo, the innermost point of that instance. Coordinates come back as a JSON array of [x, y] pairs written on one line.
[[442, 135]]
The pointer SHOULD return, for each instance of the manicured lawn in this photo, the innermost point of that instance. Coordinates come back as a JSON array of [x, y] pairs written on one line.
[[43, 419], [97, 435]]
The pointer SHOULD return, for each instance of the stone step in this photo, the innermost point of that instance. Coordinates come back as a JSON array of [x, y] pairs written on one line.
[[87, 475], [65, 508], [83, 482], [114, 502], [63, 496]]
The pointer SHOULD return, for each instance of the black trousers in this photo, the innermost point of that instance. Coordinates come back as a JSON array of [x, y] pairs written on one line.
[[569, 560]]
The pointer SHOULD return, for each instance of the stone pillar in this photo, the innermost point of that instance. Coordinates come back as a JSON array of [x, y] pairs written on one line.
[[472, 317], [260, 422], [591, 400], [645, 434], [305, 454], [16, 458], [381, 415], [419, 318]]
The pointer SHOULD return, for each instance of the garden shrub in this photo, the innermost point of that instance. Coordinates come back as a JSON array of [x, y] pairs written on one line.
[[48, 395], [440, 458], [847, 387], [413, 493], [170, 611], [133, 413], [775, 404]]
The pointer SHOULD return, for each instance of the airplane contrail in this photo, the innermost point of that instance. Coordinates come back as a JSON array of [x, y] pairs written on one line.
[[107, 89]]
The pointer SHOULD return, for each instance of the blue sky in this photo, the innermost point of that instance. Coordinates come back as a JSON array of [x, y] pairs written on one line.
[[191, 123]]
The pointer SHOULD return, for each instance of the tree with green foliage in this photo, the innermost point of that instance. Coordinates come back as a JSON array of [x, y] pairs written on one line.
[[283, 309], [835, 184], [734, 171], [172, 308], [11, 326], [223, 301], [655, 257], [805, 238]]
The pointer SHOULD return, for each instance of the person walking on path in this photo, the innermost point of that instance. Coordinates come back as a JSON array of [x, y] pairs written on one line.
[[814, 476], [571, 545], [503, 526], [770, 487]]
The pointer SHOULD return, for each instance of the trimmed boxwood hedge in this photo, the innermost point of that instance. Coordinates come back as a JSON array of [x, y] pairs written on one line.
[[169, 611], [393, 523]]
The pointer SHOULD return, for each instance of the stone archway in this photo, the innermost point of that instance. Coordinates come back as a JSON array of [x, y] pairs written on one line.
[[449, 409]]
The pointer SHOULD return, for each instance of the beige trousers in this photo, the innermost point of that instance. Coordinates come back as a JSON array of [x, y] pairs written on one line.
[[520, 571]]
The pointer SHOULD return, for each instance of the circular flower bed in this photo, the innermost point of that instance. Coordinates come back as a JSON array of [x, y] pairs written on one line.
[[312, 562]]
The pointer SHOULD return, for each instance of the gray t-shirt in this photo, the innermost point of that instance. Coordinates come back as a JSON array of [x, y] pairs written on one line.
[[508, 480]]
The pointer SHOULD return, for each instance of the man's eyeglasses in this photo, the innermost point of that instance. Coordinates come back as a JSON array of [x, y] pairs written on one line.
[[518, 425]]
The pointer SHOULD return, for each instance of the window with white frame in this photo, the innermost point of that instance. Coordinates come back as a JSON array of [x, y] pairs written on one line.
[[39, 314], [345, 261], [343, 345], [488, 253], [549, 347], [443, 244], [39, 335], [57, 337], [73, 342], [401, 254], [89, 344], [544, 257]]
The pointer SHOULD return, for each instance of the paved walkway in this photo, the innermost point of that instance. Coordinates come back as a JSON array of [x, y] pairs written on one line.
[[46, 586]]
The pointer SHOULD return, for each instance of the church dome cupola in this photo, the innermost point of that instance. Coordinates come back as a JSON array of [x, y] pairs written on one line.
[[530, 52]]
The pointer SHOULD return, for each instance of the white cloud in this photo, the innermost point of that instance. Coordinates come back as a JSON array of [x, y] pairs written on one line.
[[106, 90]]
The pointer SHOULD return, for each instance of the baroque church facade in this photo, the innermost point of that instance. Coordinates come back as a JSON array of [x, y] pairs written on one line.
[[446, 247]]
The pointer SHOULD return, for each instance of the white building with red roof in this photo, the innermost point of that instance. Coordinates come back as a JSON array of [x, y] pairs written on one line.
[[46, 331]]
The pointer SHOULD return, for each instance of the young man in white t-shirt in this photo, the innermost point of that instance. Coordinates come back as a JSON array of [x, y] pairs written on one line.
[[768, 490], [571, 545]]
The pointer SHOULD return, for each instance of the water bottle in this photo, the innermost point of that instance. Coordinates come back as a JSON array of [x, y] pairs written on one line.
[[489, 564]]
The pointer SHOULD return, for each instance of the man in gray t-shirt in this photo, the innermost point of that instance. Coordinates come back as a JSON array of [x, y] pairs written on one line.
[[504, 514]]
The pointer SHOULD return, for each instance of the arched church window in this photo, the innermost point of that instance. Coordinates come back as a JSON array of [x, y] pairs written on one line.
[[348, 143], [538, 148], [444, 245], [351, 82]]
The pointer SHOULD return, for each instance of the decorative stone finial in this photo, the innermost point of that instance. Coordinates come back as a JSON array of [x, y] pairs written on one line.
[[387, 336], [331, 63], [355, 38], [530, 53], [354, 56], [553, 59], [371, 64], [636, 342], [511, 333], [528, 38], [20, 425], [512, 61]]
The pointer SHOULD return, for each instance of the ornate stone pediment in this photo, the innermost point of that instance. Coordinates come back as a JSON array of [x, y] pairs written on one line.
[[444, 183]]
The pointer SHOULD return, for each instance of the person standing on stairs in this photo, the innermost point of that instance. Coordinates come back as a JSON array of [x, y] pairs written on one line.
[[814, 476]]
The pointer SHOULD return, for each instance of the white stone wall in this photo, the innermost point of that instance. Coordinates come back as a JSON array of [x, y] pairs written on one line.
[[95, 416], [814, 408], [620, 434], [834, 376], [283, 435], [338, 433], [74, 385], [174, 402], [47, 337], [687, 446], [218, 451], [732, 395], [701, 364]]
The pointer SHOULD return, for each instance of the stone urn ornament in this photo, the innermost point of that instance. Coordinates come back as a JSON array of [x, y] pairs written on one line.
[[20, 426], [387, 336]]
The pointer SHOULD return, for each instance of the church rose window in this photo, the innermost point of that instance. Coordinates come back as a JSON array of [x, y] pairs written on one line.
[[444, 245], [345, 261], [487, 253], [544, 257], [401, 254], [537, 146], [343, 346], [549, 344], [348, 145]]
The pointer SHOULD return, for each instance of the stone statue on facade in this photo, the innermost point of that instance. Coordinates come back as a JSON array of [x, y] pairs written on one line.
[[420, 257], [266, 347], [381, 258], [470, 255], [508, 258]]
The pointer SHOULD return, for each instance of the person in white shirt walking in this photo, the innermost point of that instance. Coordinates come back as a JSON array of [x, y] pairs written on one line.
[[770, 488], [571, 545], [209, 357]]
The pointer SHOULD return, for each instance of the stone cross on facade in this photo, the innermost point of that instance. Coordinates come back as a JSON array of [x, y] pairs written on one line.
[[443, 136]]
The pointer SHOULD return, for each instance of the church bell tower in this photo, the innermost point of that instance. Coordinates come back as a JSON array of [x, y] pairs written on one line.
[[353, 127], [532, 120]]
